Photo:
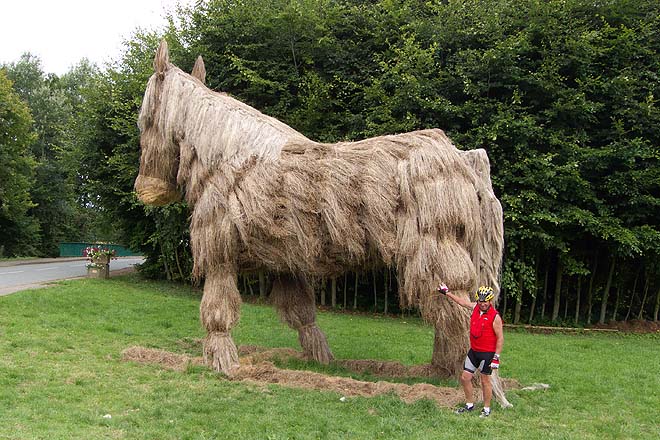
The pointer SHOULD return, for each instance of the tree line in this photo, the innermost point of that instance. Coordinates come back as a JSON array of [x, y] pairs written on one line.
[[561, 93], [42, 199]]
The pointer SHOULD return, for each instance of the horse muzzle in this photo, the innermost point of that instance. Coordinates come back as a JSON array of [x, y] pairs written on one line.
[[155, 192]]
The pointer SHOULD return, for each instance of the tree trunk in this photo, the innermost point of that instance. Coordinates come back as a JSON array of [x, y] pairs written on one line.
[[262, 284], [632, 296], [387, 277], [345, 288], [247, 287], [168, 271], [567, 288], [322, 291], [545, 291], [557, 299], [640, 315], [536, 290], [373, 273], [503, 293], [178, 263], [531, 310], [355, 291], [577, 300], [590, 292], [606, 293], [657, 306], [516, 308], [616, 302], [333, 292]]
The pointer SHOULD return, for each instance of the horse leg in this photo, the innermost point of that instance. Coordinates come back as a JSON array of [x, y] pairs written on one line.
[[421, 274], [449, 343], [294, 299], [219, 312]]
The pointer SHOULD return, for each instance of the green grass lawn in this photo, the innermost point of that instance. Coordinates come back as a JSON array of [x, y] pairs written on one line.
[[61, 373]]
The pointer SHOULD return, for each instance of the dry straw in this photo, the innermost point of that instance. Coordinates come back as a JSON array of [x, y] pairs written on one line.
[[265, 196]]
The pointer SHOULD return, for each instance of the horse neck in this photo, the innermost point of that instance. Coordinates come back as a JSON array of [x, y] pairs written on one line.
[[222, 129]]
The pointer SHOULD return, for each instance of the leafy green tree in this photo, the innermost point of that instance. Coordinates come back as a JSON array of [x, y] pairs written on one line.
[[52, 195], [19, 231], [561, 93], [526, 80], [105, 148], [80, 85]]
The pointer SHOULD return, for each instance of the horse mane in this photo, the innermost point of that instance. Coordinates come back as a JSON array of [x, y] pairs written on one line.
[[220, 128]]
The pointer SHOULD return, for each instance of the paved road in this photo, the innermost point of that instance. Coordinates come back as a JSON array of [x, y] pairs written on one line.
[[20, 275]]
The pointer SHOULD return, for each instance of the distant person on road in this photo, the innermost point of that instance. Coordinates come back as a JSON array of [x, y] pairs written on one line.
[[486, 341]]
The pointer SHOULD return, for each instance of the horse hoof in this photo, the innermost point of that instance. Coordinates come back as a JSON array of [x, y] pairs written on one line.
[[220, 353], [315, 345]]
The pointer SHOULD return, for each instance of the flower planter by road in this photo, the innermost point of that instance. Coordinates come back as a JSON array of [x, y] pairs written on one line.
[[99, 266], [98, 270]]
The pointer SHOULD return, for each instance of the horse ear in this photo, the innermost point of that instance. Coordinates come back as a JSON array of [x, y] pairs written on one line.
[[162, 58], [199, 71]]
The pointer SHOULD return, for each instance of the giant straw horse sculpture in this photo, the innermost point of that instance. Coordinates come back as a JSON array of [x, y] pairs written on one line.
[[263, 196]]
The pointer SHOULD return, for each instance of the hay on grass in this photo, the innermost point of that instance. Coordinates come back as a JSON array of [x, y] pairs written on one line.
[[266, 373], [166, 359], [257, 367]]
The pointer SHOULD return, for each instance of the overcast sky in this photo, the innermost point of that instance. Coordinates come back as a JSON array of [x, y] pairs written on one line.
[[63, 32]]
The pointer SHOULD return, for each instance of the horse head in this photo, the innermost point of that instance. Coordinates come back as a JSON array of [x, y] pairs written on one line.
[[156, 183]]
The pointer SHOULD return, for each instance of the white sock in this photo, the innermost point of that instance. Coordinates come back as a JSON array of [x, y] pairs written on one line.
[[469, 405], [487, 409]]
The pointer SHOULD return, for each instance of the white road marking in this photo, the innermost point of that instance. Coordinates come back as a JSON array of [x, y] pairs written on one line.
[[48, 268], [14, 271]]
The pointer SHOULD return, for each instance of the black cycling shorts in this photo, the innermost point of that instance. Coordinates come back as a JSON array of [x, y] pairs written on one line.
[[480, 360]]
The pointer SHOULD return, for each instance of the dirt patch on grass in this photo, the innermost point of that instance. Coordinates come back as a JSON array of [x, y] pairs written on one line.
[[268, 373], [120, 272], [257, 367], [632, 326]]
